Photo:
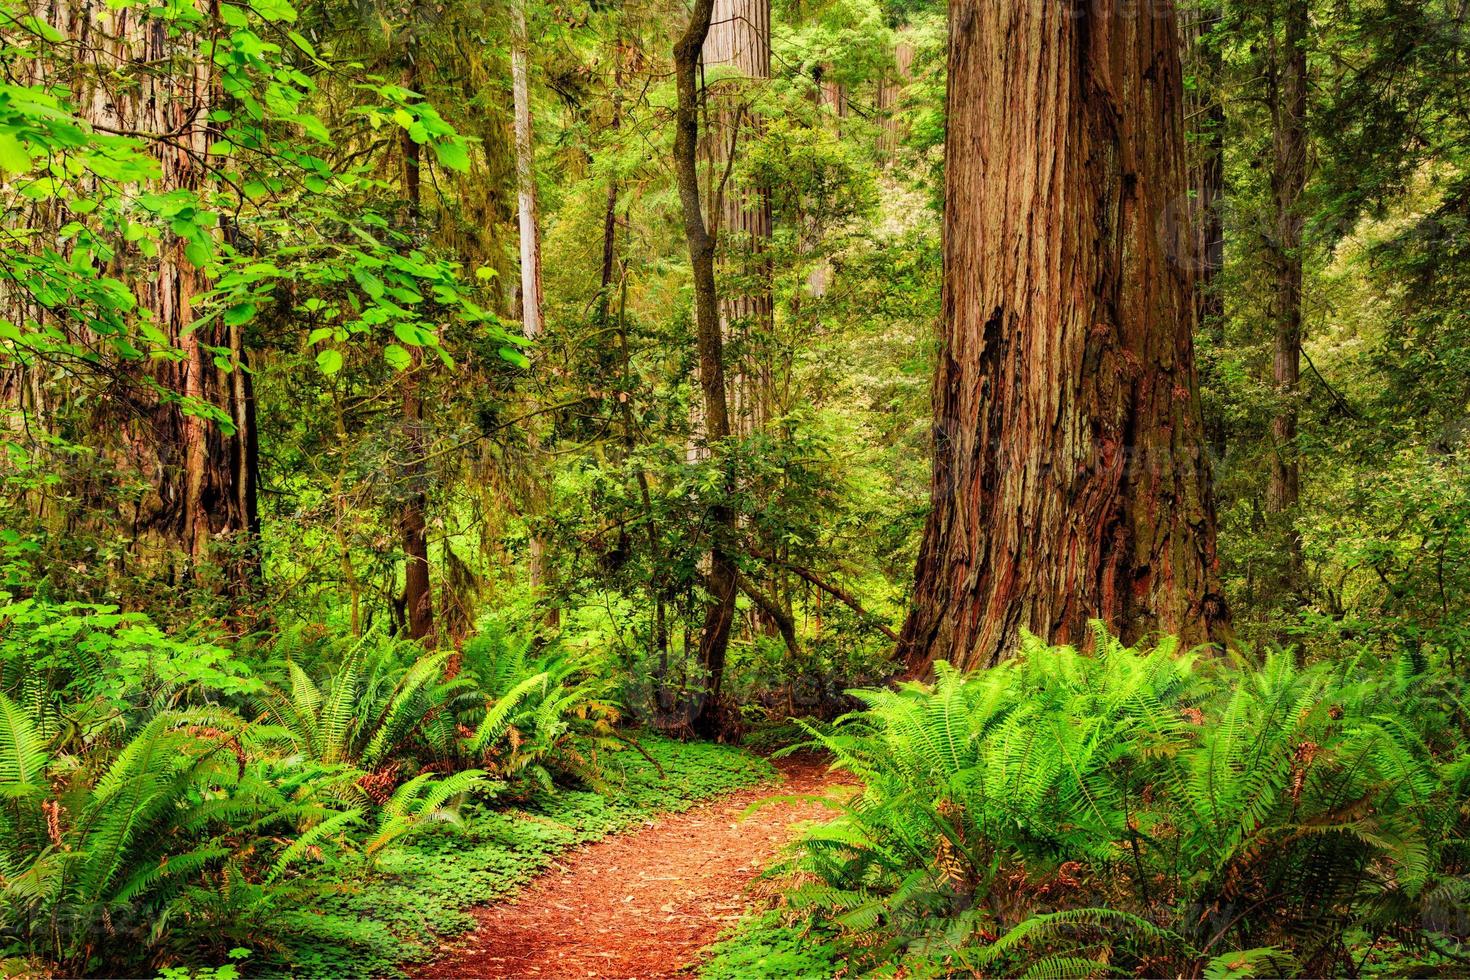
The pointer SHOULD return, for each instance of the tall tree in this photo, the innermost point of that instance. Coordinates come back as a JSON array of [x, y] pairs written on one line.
[[890, 87], [418, 596], [1070, 481], [186, 425], [520, 71], [722, 580], [1204, 65], [1286, 79], [532, 303], [737, 50]]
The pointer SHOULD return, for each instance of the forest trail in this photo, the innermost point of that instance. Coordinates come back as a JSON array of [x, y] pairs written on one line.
[[645, 902]]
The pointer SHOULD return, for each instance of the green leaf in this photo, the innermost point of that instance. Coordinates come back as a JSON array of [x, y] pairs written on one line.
[[301, 43], [330, 361], [274, 10], [239, 313], [397, 358], [514, 356], [14, 157], [412, 335], [198, 253], [452, 154], [45, 30], [370, 283]]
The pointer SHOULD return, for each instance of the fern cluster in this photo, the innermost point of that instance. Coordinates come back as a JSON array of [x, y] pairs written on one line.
[[148, 816], [1146, 812]]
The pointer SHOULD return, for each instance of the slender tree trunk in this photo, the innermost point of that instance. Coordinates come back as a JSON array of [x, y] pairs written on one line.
[[418, 598], [1070, 481], [1207, 107], [532, 303], [531, 298], [723, 581], [831, 99], [1288, 80], [418, 595]]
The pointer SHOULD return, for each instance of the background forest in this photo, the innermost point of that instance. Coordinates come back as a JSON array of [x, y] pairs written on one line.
[[431, 428]]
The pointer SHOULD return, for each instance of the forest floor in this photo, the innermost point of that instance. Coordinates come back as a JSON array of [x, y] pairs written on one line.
[[645, 902]]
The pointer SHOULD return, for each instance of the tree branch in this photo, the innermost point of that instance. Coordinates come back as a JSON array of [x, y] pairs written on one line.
[[839, 594]]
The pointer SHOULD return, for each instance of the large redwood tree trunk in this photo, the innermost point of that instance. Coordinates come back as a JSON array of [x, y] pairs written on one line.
[[1070, 480], [202, 472]]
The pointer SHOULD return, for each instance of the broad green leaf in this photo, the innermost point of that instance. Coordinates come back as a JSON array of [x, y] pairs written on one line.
[[14, 157], [301, 43], [274, 10], [452, 154], [514, 356], [239, 313], [398, 358], [198, 253]]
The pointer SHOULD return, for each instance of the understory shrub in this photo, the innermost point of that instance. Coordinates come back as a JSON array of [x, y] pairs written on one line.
[[1148, 812]]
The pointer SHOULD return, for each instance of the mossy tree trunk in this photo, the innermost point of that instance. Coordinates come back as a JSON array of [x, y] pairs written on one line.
[[722, 580]]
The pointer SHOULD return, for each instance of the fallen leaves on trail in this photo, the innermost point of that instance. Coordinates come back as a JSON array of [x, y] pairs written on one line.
[[642, 904]]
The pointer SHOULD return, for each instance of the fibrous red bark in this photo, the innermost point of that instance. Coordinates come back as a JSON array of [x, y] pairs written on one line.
[[738, 48], [183, 425], [1070, 480]]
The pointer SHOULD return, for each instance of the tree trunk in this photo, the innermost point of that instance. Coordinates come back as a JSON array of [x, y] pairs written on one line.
[[532, 304], [1070, 481], [831, 98], [1288, 81], [739, 42], [418, 598], [418, 595], [722, 580], [202, 473], [531, 299], [1206, 106], [890, 88]]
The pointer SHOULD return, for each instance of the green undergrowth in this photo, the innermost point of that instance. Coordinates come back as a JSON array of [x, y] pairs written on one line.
[[766, 945], [773, 736], [423, 892]]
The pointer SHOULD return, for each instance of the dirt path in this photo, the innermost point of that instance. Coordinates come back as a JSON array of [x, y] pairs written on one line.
[[642, 903]]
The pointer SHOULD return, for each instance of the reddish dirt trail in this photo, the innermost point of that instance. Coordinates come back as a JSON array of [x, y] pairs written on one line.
[[642, 903]]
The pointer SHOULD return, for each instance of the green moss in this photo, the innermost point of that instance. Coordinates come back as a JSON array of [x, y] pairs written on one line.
[[422, 893]]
